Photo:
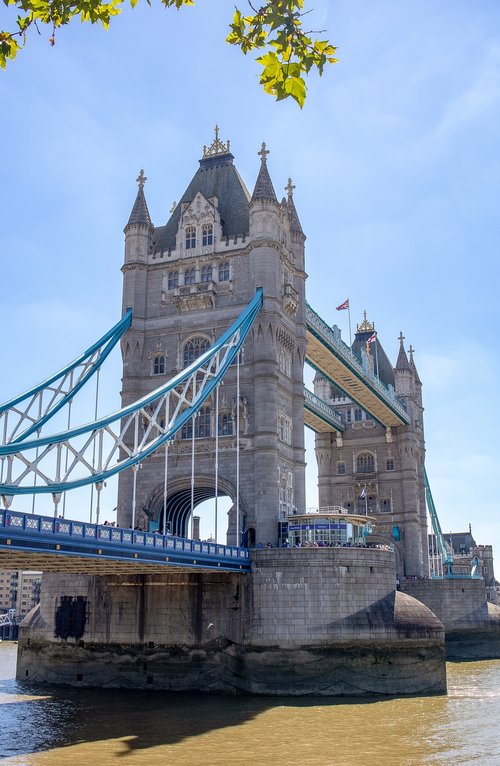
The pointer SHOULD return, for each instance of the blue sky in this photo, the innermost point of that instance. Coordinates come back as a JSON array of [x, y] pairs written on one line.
[[396, 163]]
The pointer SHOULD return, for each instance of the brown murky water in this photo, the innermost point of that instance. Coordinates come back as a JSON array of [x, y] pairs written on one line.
[[96, 727]]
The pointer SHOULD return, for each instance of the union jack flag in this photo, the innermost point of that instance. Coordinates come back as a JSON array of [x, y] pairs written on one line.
[[344, 305], [372, 338]]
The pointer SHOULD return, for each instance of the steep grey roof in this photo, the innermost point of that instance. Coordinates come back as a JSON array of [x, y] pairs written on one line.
[[294, 218], [264, 188], [402, 360], [414, 368], [216, 177], [385, 371], [140, 212]]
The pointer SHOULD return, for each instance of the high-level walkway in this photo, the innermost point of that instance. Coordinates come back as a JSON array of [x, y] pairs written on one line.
[[28, 541], [332, 358]]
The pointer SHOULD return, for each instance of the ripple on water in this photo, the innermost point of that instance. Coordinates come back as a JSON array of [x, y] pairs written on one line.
[[97, 727]]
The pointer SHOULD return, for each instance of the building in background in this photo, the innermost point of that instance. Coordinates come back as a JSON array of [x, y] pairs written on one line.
[[19, 593]]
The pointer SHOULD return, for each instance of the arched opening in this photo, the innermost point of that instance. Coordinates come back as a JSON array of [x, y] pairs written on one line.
[[217, 521], [250, 541]]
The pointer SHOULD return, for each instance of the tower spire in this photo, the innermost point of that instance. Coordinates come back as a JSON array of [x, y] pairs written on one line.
[[292, 212], [264, 186], [402, 360], [413, 366], [140, 212]]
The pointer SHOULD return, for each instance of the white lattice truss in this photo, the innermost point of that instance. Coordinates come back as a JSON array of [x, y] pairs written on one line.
[[96, 451], [27, 414]]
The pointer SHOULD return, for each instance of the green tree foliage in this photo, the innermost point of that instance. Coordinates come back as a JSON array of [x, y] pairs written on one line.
[[274, 29]]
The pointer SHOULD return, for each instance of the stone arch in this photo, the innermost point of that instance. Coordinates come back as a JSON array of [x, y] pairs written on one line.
[[179, 501]]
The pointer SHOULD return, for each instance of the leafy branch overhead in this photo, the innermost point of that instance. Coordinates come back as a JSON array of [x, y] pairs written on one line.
[[274, 29]]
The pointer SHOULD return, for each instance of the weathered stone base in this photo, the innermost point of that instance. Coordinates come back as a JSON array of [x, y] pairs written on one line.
[[471, 622], [230, 669], [305, 622]]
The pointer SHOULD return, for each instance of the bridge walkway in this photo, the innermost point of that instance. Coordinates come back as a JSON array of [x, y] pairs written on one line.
[[333, 359], [29, 541]]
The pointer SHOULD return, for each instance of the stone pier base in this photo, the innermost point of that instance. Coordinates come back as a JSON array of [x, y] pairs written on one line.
[[305, 622]]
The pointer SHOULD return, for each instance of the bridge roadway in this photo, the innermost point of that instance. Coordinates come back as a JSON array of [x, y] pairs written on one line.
[[333, 359], [29, 541]]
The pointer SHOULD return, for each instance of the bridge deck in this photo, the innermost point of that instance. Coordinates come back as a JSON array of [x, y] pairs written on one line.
[[28, 541], [319, 416], [332, 358]]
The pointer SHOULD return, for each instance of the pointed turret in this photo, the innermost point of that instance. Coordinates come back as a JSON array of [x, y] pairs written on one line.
[[138, 246], [264, 189], [292, 212], [402, 360], [140, 212], [413, 366]]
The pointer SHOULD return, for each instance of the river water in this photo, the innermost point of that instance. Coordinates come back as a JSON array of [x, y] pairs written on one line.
[[103, 727]]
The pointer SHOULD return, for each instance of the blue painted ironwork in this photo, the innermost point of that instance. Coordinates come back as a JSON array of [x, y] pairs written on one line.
[[324, 333], [143, 419], [322, 410], [31, 533], [446, 555], [60, 388]]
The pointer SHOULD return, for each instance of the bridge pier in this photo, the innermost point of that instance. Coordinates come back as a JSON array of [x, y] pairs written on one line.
[[324, 621]]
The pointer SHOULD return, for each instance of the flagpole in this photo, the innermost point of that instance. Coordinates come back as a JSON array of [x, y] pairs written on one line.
[[349, 315], [376, 355]]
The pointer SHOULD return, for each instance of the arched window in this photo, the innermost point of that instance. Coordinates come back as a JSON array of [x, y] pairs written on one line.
[[365, 463], [224, 272], [189, 276], [201, 425], [159, 365], [173, 280], [206, 274], [207, 234], [385, 506], [190, 237], [390, 464], [225, 425], [358, 414], [340, 468], [194, 348]]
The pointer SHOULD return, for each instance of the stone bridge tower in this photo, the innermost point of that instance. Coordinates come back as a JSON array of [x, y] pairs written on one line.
[[378, 471], [186, 282]]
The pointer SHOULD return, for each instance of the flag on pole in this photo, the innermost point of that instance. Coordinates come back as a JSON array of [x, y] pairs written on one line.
[[363, 493], [372, 338], [343, 306]]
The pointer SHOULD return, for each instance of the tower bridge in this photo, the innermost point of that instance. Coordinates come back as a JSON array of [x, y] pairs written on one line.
[[214, 337]]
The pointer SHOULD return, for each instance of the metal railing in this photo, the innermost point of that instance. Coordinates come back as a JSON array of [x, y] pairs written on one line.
[[342, 349], [314, 403], [36, 527]]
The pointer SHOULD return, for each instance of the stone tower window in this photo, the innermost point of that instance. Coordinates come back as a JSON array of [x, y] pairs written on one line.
[[194, 348], [385, 506], [206, 274], [365, 463], [358, 414], [190, 237], [201, 425], [224, 272], [225, 425], [159, 365], [173, 280], [390, 464], [340, 468], [207, 234], [189, 276]]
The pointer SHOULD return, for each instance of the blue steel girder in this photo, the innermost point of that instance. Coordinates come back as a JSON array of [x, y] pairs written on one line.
[[39, 404], [125, 438], [334, 360], [320, 416], [28, 541]]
